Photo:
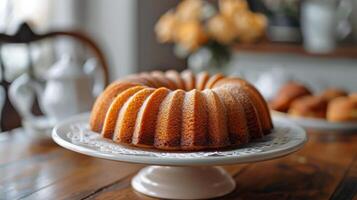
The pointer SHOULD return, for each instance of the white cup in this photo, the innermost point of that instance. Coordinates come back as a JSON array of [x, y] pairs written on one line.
[[319, 26]]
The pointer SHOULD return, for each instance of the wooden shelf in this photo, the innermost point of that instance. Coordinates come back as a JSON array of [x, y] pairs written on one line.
[[345, 51]]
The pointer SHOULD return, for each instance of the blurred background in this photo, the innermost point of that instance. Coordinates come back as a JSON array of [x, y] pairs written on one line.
[[272, 40]]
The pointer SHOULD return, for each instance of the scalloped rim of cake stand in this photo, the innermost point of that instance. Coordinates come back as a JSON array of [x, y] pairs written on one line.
[[185, 175], [295, 136]]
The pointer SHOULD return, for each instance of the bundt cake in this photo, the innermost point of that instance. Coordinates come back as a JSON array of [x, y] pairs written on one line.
[[287, 94], [309, 106], [181, 111]]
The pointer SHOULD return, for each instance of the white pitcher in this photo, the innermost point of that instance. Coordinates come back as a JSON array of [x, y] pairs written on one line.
[[70, 89]]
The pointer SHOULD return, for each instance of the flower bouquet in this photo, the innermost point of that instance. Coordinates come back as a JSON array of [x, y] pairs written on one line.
[[205, 34]]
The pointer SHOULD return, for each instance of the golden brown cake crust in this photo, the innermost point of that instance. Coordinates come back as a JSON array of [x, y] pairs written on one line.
[[212, 80], [103, 102], [127, 117], [251, 113], [189, 80], [175, 77], [254, 95], [144, 132], [181, 111], [168, 128], [194, 136], [201, 81], [113, 111], [165, 82], [235, 113], [217, 120]]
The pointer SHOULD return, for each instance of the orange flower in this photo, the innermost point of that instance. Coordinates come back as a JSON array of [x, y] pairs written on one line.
[[185, 25], [190, 35], [189, 10], [242, 21], [222, 29], [250, 26], [260, 22], [165, 27], [230, 7]]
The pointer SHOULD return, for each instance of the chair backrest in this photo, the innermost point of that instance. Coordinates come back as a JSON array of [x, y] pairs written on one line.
[[25, 35]]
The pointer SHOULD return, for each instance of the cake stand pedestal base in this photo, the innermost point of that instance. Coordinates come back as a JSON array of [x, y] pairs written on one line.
[[183, 182]]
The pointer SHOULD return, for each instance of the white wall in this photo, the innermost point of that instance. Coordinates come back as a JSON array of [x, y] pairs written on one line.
[[124, 29], [113, 25], [151, 54]]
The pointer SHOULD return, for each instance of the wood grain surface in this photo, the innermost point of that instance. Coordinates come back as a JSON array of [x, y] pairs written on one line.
[[326, 168]]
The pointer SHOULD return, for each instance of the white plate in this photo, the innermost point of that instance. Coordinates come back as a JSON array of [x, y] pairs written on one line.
[[74, 134], [318, 124]]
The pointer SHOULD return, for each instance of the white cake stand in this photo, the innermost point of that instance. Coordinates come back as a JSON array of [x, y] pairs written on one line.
[[179, 175]]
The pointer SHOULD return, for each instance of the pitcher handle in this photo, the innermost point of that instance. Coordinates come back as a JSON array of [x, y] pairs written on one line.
[[91, 67], [2, 101], [22, 93]]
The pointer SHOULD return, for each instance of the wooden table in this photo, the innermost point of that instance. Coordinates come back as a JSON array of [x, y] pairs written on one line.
[[325, 168]]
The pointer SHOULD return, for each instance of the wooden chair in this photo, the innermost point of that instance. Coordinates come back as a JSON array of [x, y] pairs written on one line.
[[25, 35]]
